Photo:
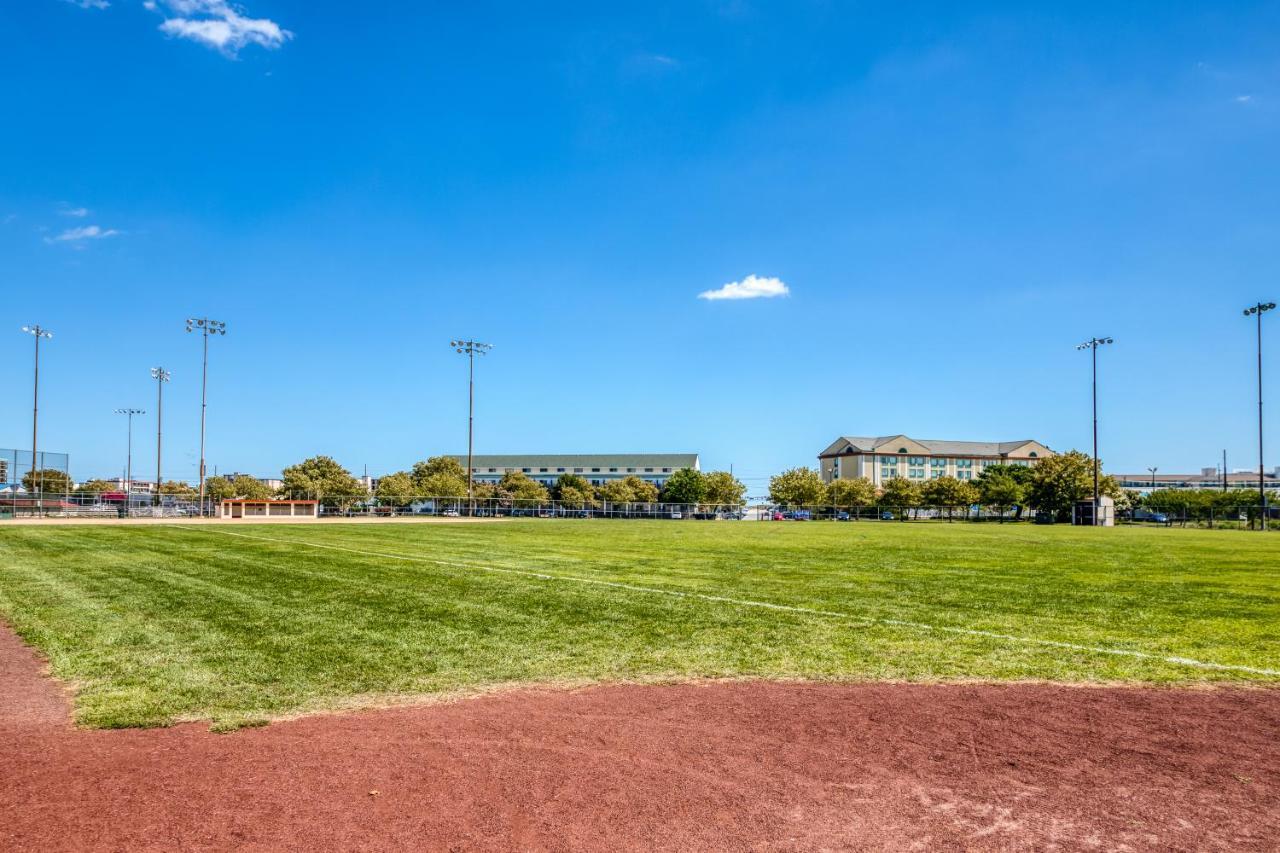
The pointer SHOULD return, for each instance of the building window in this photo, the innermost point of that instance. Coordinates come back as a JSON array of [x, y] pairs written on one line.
[[631, 470], [964, 463], [595, 470], [577, 470], [613, 470], [964, 475], [527, 470], [542, 470], [648, 470], [1032, 454], [559, 470], [666, 470]]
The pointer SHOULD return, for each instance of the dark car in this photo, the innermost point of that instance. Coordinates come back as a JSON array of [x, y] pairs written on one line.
[[842, 516]]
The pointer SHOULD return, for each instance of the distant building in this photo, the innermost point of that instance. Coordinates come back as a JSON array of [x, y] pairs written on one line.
[[598, 469], [882, 458], [1208, 478]]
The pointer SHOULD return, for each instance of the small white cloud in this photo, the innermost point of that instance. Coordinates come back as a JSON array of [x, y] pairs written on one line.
[[1244, 99], [751, 287], [90, 4], [218, 24], [79, 235], [77, 212]]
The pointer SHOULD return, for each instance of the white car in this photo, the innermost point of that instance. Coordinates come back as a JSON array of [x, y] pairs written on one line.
[[451, 513]]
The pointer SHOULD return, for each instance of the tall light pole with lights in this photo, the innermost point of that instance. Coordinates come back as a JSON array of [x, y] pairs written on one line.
[[128, 463], [470, 349], [161, 376], [1258, 310], [1093, 345], [205, 327], [1153, 477], [38, 332]]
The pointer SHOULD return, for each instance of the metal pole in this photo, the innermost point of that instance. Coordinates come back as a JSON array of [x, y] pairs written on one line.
[[1224, 469], [204, 404], [1095, 434], [128, 465], [159, 432], [35, 411], [471, 416], [1262, 491]]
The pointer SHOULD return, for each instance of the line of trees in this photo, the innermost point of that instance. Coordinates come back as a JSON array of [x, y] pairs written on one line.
[[321, 477], [1054, 485]]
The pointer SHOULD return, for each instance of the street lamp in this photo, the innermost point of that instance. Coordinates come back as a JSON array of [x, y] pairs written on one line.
[[1258, 310], [470, 348], [161, 376], [206, 327], [1093, 345], [1153, 477], [39, 333], [128, 465]]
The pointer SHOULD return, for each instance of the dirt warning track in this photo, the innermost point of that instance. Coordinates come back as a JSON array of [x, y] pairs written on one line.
[[742, 765]]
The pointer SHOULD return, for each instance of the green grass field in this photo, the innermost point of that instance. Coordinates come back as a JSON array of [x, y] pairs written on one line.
[[237, 624]]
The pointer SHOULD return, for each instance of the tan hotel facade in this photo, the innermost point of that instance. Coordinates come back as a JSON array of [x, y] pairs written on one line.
[[882, 458]]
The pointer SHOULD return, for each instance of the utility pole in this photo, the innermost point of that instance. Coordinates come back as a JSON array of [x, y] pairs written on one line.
[[1224, 469], [128, 465], [470, 349], [161, 376], [1258, 310], [38, 333], [206, 327], [1153, 478], [1093, 345]]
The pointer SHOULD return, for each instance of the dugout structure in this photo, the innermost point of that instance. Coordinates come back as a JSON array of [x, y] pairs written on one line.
[[269, 509]]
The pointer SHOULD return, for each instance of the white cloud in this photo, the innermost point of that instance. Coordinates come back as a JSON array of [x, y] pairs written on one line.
[[751, 287], [90, 4], [1244, 99], [77, 212], [84, 232], [218, 24]]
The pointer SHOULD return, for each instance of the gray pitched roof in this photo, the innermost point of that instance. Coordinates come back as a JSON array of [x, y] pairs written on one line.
[[674, 461], [869, 444]]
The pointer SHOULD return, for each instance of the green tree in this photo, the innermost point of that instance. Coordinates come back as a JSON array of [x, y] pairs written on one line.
[[1001, 491], [685, 486], [1058, 482], [723, 489], [851, 493], [218, 489], [900, 492], [440, 477], [395, 490], [184, 490], [1020, 474], [321, 478], [516, 485], [51, 481], [574, 492], [797, 487], [96, 487], [948, 492]]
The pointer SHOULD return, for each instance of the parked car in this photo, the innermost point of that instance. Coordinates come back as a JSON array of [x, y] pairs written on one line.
[[451, 513], [842, 516], [886, 516], [777, 516], [802, 515], [677, 515]]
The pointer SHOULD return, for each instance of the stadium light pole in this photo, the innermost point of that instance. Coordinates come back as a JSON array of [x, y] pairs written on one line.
[[206, 327], [38, 332], [1153, 477], [161, 376], [1093, 345], [470, 349], [1258, 310], [128, 463]]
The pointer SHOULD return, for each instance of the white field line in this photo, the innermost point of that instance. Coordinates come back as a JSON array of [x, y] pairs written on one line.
[[788, 608]]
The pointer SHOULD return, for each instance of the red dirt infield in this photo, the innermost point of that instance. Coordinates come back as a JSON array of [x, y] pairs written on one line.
[[711, 766]]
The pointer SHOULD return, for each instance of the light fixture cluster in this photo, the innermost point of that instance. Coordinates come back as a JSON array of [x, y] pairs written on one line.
[[204, 324]]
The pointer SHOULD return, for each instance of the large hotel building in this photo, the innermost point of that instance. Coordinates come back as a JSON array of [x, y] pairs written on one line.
[[885, 457]]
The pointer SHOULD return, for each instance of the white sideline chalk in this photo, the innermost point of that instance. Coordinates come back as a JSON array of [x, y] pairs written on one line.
[[848, 617]]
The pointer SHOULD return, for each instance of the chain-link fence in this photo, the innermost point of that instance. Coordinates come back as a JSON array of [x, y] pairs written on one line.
[[1246, 517]]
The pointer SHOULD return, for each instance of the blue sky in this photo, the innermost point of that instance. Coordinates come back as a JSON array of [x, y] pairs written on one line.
[[953, 194]]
